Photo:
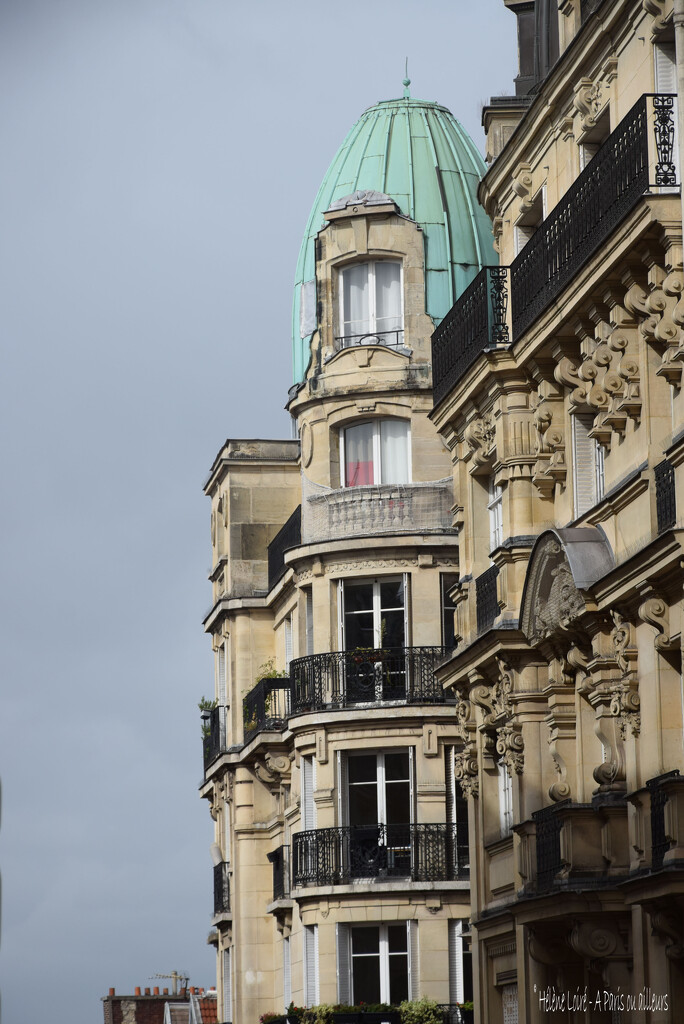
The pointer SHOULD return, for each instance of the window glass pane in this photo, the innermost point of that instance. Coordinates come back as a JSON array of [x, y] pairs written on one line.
[[355, 299], [396, 938], [366, 940], [392, 594], [398, 977], [388, 297], [397, 766], [392, 629], [358, 597], [363, 768], [358, 452], [394, 451], [359, 631], [398, 803], [366, 979]]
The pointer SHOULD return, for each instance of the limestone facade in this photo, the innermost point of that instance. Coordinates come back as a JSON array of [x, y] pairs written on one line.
[[565, 423]]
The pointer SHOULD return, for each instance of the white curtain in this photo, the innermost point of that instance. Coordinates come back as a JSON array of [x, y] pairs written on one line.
[[394, 451], [355, 300], [388, 297]]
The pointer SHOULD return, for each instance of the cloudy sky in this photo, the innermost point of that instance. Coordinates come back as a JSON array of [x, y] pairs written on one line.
[[158, 162]]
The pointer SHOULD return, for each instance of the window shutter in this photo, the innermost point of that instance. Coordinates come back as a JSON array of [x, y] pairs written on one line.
[[310, 964], [665, 68], [413, 970], [449, 769], [344, 994], [308, 783], [222, 687], [456, 961], [412, 784], [342, 789], [583, 463], [309, 621], [287, 972], [408, 640], [226, 831], [288, 641], [340, 615], [227, 985]]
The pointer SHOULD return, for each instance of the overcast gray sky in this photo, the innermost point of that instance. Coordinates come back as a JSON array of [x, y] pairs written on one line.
[[159, 159]]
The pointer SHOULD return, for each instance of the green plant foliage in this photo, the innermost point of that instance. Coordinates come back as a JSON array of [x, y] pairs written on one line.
[[269, 671], [420, 1011], [206, 705]]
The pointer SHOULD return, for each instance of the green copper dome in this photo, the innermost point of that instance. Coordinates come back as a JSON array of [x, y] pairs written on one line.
[[417, 153]]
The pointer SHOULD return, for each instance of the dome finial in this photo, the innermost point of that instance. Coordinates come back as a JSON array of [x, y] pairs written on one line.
[[406, 82]]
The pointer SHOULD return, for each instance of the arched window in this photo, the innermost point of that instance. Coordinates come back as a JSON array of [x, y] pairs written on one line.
[[371, 304], [376, 452]]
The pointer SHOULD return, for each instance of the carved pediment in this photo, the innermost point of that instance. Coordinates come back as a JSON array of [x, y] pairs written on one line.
[[562, 564]]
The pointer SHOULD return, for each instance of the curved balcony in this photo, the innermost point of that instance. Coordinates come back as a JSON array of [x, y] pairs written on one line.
[[341, 679], [375, 509], [433, 852]]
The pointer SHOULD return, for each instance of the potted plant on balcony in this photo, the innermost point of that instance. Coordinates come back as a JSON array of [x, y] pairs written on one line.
[[421, 1011], [467, 1012], [380, 1013], [206, 706]]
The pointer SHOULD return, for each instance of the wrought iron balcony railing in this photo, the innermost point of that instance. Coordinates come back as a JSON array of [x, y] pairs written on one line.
[[391, 339], [221, 888], [548, 846], [666, 502], [214, 739], [375, 509], [637, 156], [289, 536], [660, 843], [266, 707], [486, 598], [280, 860], [336, 856], [476, 321], [347, 678]]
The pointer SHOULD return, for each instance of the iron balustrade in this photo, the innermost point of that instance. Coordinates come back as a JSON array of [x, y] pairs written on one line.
[[666, 502], [604, 193], [659, 841], [214, 738], [221, 888], [367, 676], [289, 536], [280, 860], [433, 852], [266, 707], [548, 846], [476, 321], [390, 339], [486, 598]]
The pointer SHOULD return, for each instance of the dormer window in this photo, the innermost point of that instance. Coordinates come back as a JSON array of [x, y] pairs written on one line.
[[371, 304], [376, 452]]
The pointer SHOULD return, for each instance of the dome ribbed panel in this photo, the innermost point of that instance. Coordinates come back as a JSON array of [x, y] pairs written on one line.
[[396, 147]]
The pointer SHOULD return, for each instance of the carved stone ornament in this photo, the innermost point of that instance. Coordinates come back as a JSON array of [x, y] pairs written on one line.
[[479, 435], [667, 925], [510, 747], [275, 769], [562, 604], [465, 771], [587, 101], [595, 940], [654, 610], [550, 467]]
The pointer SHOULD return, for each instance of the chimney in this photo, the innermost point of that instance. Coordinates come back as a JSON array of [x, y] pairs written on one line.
[[111, 991], [137, 990]]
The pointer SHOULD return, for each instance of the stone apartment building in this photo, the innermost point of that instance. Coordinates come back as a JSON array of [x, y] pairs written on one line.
[[557, 384], [341, 853], [447, 618]]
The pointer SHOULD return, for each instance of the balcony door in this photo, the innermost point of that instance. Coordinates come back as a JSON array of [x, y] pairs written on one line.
[[377, 963], [376, 802], [373, 634]]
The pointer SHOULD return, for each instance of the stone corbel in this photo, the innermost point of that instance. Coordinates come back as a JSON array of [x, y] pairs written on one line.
[[595, 940], [465, 771], [479, 436], [522, 185], [654, 610], [587, 101], [510, 747], [667, 925], [658, 11]]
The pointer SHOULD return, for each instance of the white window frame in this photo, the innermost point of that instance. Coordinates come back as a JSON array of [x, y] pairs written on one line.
[[455, 951], [345, 960], [343, 758], [288, 641], [309, 620], [377, 451], [307, 768], [372, 336], [287, 971], [495, 508], [227, 984], [377, 607], [505, 780], [222, 674]]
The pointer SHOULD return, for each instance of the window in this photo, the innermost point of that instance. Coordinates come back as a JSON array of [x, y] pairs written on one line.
[[310, 964], [456, 814], [531, 220], [373, 613], [588, 471], [376, 452], [460, 963], [307, 766], [221, 674], [377, 963], [371, 306], [495, 506], [448, 581], [505, 800], [287, 971], [288, 642], [309, 625]]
